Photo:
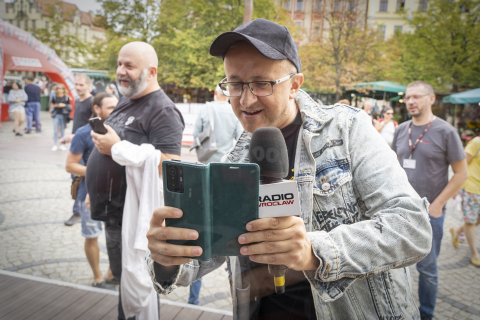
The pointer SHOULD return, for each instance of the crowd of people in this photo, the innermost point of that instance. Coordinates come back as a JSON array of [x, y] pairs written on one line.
[[373, 192]]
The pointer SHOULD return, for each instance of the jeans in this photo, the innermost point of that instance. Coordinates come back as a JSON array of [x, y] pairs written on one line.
[[428, 280], [33, 113], [58, 120], [195, 292]]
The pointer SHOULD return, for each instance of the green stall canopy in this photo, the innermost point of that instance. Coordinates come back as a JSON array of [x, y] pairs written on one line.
[[378, 90], [386, 86], [470, 96]]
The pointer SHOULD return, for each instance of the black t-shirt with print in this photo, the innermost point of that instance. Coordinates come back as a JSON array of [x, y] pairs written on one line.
[[152, 119], [83, 112], [290, 134]]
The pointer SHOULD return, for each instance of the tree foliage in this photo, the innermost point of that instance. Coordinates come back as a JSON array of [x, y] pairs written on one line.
[[188, 28], [347, 52], [443, 47], [133, 18], [58, 38]]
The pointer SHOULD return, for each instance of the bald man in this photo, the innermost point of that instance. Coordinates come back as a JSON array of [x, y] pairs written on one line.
[[144, 115]]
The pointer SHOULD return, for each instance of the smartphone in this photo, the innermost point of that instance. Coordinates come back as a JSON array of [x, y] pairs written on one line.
[[217, 200], [97, 125]]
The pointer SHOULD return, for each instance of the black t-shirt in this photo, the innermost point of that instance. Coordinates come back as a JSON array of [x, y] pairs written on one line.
[[152, 119], [83, 112], [297, 301]]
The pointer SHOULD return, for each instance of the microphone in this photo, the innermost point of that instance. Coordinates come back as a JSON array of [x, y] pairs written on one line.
[[269, 151]]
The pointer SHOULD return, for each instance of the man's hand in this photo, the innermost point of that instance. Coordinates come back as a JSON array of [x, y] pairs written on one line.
[[105, 142], [165, 253], [87, 201], [435, 210], [282, 240], [67, 139]]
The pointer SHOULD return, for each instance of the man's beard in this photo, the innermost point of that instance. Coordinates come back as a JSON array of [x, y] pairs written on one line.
[[135, 87]]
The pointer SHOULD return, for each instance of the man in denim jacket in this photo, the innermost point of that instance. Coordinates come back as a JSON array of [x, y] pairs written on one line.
[[357, 232]]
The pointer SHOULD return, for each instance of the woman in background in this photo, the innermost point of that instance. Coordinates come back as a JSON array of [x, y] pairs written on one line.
[[387, 125], [17, 99], [112, 89], [470, 201], [59, 109]]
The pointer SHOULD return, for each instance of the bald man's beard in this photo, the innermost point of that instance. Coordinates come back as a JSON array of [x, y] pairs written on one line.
[[135, 87]]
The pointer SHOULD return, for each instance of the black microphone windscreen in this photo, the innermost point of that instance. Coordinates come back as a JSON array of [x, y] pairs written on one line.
[[269, 151]]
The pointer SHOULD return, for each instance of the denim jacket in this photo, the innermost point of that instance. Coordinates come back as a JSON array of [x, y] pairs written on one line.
[[365, 221]]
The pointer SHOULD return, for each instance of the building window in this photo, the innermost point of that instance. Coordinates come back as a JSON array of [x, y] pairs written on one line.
[[338, 6], [400, 5], [351, 6], [382, 30], [317, 6], [423, 5], [298, 24], [299, 5], [384, 5], [397, 29], [286, 4], [34, 26]]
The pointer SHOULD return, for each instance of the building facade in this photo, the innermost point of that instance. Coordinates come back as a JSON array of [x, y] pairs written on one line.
[[311, 15], [31, 15], [388, 15]]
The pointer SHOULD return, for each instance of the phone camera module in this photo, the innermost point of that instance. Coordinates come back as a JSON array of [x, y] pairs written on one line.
[[172, 170]]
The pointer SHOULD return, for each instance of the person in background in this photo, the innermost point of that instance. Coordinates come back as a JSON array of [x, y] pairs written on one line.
[[83, 112], [112, 89], [344, 101], [144, 115], [17, 98], [470, 193], [425, 147], [81, 147], [59, 109], [387, 125], [6, 89], [367, 107], [33, 105], [227, 127]]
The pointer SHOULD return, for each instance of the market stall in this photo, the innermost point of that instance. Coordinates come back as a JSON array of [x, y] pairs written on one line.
[[20, 51]]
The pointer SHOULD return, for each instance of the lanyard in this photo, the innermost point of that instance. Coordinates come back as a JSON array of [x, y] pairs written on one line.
[[418, 139]]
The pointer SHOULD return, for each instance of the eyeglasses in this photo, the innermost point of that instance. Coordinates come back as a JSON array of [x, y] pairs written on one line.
[[258, 88], [415, 98]]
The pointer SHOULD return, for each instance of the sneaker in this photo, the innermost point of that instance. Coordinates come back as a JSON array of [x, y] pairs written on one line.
[[62, 147], [28, 131], [100, 285], [38, 130], [73, 219], [18, 134], [54, 148]]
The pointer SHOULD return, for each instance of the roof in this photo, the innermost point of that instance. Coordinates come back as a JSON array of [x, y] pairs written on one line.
[[69, 10], [470, 96]]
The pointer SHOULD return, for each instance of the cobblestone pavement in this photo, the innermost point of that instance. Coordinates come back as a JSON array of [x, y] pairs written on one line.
[[35, 200]]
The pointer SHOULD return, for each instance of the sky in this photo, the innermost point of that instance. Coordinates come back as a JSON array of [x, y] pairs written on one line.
[[86, 5]]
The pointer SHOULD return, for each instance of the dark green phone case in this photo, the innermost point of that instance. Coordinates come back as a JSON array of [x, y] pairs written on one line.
[[218, 201]]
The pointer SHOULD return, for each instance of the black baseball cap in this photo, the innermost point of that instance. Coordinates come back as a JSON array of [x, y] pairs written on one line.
[[270, 39]]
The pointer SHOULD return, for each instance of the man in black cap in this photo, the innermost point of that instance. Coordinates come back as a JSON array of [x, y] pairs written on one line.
[[348, 251]]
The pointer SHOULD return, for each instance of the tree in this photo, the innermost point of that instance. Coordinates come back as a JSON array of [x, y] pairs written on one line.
[[444, 45], [133, 18], [57, 38], [347, 52], [188, 28]]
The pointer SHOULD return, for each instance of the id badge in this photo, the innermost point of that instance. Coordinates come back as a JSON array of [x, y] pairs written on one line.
[[409, 163]]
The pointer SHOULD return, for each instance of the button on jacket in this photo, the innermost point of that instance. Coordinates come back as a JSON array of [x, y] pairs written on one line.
[[364, 220]]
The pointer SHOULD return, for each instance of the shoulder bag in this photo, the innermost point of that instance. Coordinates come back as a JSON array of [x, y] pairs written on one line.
[[205, 144]]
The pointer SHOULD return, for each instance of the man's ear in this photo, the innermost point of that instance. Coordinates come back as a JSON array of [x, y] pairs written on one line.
[[96, 109], [297, 82], [152, 73]]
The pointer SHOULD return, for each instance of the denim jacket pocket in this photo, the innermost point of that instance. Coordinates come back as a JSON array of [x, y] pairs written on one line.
[[331, 175]]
